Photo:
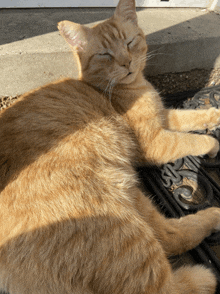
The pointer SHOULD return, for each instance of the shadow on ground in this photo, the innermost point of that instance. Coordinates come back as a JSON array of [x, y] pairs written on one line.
[[193, 49], [20, 24]]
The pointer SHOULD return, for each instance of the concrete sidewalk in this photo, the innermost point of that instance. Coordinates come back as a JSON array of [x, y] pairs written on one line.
[[33, 53]]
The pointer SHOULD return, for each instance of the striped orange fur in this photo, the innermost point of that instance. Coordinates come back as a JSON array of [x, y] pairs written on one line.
[[73, 217]]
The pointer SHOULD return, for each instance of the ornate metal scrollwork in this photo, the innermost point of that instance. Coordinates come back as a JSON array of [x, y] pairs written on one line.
[[173, 175], [169, 173], [171, 186], [202, 171]]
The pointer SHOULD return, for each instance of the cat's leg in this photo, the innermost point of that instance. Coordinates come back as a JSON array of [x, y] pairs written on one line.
[[194, 280], [132, 261], [166, 146], [178, 235], [185, 120], [185, 233]]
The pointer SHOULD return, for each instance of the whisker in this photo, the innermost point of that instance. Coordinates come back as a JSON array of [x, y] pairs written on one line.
[[150, 56], [155, 50], [113, 77]]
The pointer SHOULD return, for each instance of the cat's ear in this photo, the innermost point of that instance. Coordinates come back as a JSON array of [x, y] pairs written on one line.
[[126, 10], [75, 34]]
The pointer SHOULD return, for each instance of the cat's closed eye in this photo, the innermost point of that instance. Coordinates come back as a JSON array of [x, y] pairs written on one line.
[[104, 56], [133, 42], [129, 44]]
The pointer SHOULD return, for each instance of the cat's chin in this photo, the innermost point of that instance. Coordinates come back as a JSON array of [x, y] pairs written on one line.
[[129, 78]]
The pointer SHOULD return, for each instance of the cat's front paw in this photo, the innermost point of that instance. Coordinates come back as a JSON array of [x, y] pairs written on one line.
[[213, 120], [213, 214], [215, 149], [216, 212]]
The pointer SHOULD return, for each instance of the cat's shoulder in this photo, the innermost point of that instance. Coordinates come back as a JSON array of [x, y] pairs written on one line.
[[66, 96]]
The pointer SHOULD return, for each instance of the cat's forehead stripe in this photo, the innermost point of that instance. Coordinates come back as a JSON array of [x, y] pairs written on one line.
[[110, 32], [105, 43], [122, 34], [107, 40], [115, 32]]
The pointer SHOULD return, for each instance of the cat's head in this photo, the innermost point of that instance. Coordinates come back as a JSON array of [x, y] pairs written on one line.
[[112, 52]]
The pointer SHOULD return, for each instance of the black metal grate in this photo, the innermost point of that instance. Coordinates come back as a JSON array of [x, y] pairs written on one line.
[[191, 183]]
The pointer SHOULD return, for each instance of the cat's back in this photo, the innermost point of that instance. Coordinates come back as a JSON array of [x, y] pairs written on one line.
[[65, 167], [43, 116], [64, 123], [67, 101]]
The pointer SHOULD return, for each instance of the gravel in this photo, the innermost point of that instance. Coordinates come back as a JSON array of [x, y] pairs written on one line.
[[6, 101]]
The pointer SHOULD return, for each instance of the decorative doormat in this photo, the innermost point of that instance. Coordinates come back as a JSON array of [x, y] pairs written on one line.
[[191, 183]]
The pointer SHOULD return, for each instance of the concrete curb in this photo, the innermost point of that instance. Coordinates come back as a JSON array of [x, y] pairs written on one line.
[[179, 40]]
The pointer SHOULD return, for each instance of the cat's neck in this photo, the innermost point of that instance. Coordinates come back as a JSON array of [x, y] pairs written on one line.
[[124, 94], [138, 86], [123, 97]]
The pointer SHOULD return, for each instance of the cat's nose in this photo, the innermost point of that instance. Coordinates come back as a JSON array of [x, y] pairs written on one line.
[[126, 63]]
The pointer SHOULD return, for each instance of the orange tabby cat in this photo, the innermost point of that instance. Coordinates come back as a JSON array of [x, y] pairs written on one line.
[[73, 218]]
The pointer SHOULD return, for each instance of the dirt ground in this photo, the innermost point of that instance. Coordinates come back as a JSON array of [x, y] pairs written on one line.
[[166, 84], [180, 82]]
